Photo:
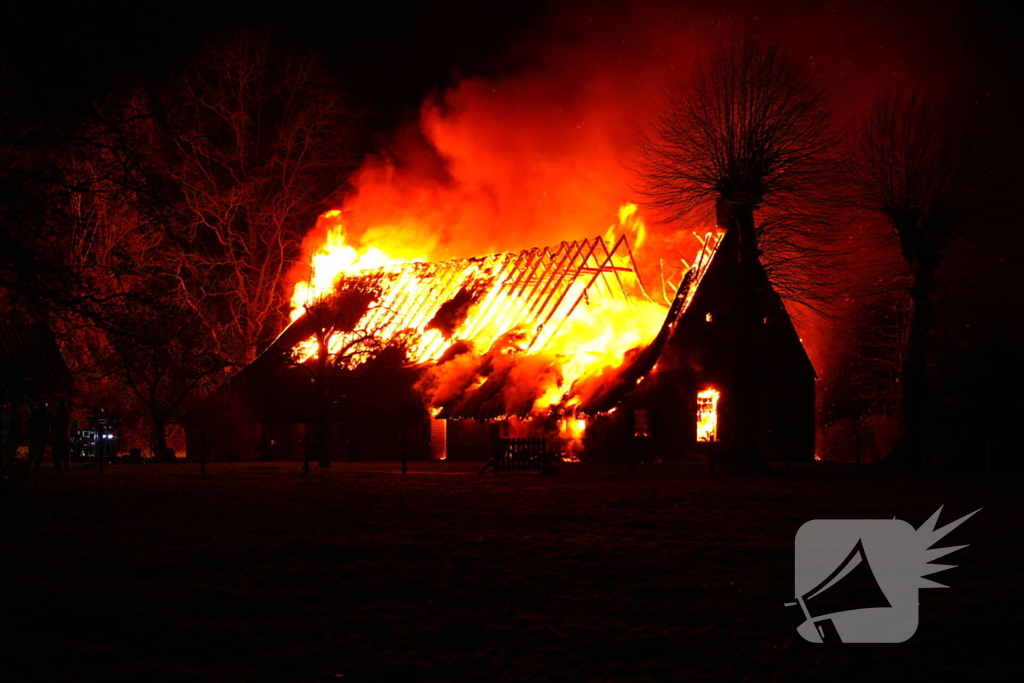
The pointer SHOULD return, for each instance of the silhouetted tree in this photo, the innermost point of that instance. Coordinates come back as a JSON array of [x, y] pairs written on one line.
[[135, 344], [863, 384], [186, 206], [33, 275], [348, 333], [876, 345], [913, 163], [748, 137], [165, 359], [262, 137]]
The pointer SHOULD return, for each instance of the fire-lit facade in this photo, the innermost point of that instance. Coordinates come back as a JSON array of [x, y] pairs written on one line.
[[684, 406], [561, 343]]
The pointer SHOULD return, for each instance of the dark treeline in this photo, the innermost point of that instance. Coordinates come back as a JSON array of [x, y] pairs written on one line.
[[154, 233]]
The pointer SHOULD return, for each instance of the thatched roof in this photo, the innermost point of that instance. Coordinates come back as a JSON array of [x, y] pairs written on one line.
[[438, 311]]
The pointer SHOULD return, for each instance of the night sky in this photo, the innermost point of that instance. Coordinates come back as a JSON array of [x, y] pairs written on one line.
[[388, 59]]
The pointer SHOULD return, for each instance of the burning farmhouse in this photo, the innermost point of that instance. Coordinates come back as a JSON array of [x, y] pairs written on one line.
[[441, 360]]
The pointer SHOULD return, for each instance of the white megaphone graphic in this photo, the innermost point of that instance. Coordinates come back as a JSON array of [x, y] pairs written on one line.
[[847, 598]]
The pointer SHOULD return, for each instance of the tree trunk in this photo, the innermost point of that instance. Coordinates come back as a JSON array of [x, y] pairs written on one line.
[[325, 403], [744, 449], [159, 440], [909, 450], [321, 441], [747, 325], [306, 453]]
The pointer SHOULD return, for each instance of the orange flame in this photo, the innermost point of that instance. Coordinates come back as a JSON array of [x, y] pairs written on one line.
[[707, 415], [553, 319], [572, 430], [333, 258]]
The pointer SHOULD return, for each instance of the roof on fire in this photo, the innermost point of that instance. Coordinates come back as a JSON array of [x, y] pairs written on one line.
[[535, 291], [547, 285]]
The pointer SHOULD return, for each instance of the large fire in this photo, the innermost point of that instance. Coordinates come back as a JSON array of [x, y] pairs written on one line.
[[494, 167], [541, 155], [550, 322], [333, 258]]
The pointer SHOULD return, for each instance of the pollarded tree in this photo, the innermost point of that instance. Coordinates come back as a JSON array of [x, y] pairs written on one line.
[[913, 163], [749, 138]]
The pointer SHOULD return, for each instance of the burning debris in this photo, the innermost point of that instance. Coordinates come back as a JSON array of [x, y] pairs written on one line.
[[445, 359], [534, 334], [563, 343]]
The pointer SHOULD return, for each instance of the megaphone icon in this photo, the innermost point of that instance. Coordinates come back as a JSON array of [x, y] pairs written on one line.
[[862, 602], [851, 586]]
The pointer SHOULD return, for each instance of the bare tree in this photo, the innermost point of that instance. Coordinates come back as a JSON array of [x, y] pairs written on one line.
[[262, 139], [864, 388], [348, 333], [135, 346], [77, 249], [747, 137], [166, 359], [912, 163], [196, 201], [34, 273], [876, 346]]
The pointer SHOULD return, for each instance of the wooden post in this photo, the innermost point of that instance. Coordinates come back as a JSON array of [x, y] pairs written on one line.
[[202, 450], [305, 454], [405, 451], [229, 450], [856, 445]]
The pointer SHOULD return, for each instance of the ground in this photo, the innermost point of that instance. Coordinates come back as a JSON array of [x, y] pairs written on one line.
[[255, 572]]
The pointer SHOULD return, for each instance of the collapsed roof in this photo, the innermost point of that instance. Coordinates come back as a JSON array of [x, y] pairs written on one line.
[[507, 334]]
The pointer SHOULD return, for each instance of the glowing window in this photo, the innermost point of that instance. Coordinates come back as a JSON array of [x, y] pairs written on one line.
[[708, 317], [641, 423], [707, 415]]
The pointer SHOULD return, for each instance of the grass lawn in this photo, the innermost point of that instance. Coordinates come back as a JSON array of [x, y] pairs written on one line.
[[356, 573]]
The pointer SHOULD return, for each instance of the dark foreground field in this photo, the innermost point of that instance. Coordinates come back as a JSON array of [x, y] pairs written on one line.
[[357, 573]]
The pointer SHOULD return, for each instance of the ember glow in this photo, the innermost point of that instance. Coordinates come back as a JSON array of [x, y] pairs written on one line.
[[334, 257], [549, 321], [707, 415], [572, 430], [494, 167]]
